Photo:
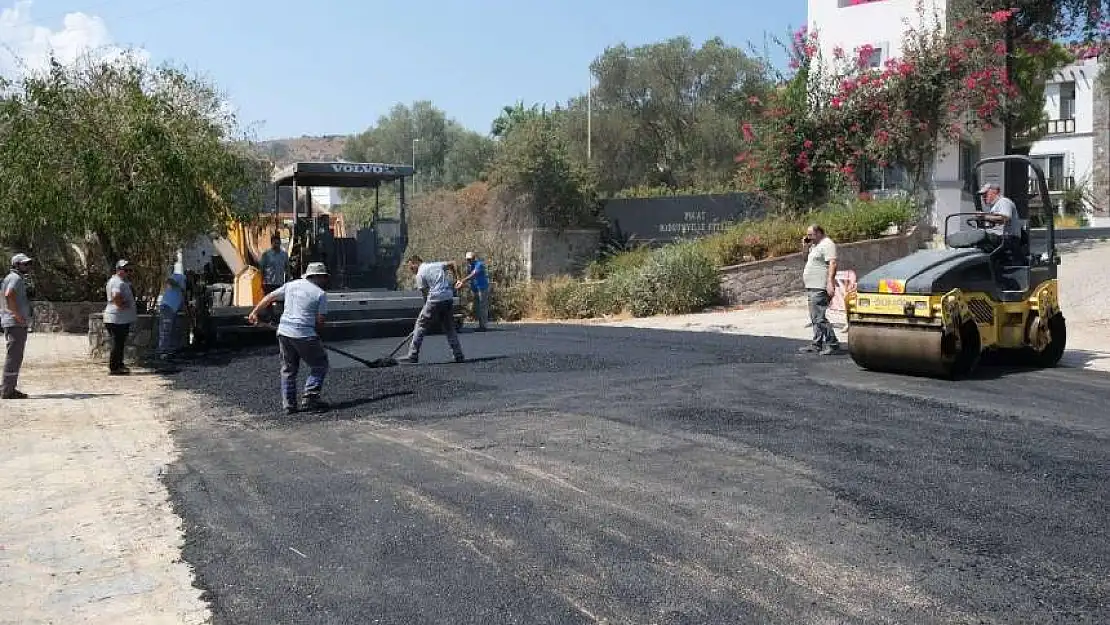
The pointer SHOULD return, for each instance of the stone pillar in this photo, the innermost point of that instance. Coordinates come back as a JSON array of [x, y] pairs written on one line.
[[1100, 166]]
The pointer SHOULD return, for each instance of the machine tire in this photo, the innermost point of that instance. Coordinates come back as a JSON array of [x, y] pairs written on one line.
[[970, 353], [1050, 356]]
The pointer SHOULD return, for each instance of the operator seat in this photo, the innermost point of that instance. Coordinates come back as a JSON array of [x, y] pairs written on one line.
[[1014, 279]]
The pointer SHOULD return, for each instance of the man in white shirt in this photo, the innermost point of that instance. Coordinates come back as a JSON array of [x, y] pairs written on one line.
[[1006, 223], [819, 280], [306, 306], [15, 318], [119, 314], [439, 295]]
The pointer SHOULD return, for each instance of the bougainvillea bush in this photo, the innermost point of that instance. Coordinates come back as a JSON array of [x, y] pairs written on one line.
[[813, 137]]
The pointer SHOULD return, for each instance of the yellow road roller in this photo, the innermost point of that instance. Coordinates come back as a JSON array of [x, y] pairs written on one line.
[[936, 312]]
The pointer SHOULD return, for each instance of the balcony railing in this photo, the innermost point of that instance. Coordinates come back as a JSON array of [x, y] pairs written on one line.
[[1059, 126], [1055, 185], [1052, 127]]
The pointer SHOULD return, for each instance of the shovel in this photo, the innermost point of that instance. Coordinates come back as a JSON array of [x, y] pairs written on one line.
[[388, 361]]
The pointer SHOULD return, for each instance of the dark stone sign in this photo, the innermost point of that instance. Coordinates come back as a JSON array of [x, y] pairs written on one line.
[[662, 220]]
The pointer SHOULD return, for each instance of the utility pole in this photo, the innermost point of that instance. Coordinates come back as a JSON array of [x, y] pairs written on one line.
[[414, 141], [590, 119]]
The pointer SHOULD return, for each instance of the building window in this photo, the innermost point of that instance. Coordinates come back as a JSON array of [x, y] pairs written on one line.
[[1067, 100], [875, 59], [1053, 167], [883, 180], [969, 155]]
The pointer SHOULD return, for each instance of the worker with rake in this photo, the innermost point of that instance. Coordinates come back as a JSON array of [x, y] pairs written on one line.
[[306, 305], [439, 296]]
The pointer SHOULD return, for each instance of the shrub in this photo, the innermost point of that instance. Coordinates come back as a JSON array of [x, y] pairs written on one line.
[[617, 263], [864, 219], [511, 302], [770, 237], [676, 279]]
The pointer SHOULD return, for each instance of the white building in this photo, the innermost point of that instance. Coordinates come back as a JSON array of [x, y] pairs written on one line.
[[1068, 148], [851, 24]]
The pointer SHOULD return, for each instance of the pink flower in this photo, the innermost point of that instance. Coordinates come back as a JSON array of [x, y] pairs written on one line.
[[749, 134]]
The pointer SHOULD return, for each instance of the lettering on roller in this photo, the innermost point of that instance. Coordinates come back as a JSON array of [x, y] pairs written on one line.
[[892, 286]]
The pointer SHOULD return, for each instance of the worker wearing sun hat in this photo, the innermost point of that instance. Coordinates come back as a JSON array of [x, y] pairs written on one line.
[[306, 306], [15, 317]]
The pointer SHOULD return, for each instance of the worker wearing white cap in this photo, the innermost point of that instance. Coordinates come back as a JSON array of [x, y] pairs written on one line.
[[1006, 223], [306, 306], [15, 317], [479, 287], [119, 314]]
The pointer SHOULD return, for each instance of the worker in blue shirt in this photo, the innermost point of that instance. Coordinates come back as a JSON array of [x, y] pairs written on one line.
[[479, 286]]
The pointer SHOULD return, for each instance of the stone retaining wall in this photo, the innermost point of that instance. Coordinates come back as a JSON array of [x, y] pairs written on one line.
[[777, 278], [549, 252], [70, 317], [142, 340]]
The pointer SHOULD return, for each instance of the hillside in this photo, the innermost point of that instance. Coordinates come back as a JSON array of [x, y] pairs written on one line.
[[291, 150]]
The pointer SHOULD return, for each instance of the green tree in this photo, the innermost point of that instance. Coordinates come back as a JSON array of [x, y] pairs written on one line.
[[138, 160], [436, 138], [1072, 20], [513, 115], [543, 183], [666, 103]]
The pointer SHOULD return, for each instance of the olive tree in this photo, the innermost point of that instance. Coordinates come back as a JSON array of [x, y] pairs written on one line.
[[132, 160]]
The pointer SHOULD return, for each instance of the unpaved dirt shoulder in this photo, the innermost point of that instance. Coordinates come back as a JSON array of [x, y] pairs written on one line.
[[88, 534]]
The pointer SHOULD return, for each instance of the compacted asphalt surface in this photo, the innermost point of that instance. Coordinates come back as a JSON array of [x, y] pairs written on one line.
[[577, 474]]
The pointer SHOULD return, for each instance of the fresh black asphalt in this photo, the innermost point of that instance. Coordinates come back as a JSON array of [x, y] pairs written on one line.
[[578, 474]]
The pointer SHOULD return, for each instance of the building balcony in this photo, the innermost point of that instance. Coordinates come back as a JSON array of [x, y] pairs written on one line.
[[1055, 185], [1059, 127]]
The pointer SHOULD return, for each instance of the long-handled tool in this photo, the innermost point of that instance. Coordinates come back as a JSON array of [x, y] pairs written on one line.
[[388, 361]]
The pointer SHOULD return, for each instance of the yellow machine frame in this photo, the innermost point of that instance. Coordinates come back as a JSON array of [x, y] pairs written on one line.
[[1002, 325]]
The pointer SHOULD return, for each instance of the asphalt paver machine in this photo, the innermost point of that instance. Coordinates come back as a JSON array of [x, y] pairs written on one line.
[[363, 288]]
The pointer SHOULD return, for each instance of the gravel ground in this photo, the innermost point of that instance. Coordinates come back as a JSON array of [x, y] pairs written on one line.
[[578, 474], [86, 532]]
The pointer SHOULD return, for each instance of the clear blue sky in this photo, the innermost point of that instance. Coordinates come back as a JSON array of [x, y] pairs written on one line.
[[333, 66]]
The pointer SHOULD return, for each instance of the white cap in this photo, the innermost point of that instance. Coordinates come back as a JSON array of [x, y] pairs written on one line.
[[988, 186], [470, 255], [122, 263], [19, 259], [316, 269]]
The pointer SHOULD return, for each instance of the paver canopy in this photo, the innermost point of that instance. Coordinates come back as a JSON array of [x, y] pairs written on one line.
[[341, 174]]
